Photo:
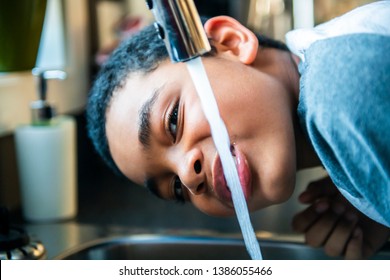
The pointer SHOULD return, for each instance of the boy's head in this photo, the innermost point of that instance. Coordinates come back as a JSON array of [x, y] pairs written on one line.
[[146, 121]]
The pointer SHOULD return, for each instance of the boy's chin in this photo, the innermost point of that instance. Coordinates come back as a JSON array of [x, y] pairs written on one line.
[[276, 195]]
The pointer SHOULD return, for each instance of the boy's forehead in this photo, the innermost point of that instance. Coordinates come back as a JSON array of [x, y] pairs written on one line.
[[145, 80]]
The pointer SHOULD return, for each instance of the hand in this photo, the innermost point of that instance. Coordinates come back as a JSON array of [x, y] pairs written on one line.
[[332, 222]]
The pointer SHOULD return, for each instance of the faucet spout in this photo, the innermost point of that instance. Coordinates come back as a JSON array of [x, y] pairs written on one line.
[[179, 25]]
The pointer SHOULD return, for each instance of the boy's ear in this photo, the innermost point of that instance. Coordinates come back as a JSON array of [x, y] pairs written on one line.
[[230, 35]]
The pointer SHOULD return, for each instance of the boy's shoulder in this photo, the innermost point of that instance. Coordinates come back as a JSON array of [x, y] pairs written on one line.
[[345, 73], [343, 108]]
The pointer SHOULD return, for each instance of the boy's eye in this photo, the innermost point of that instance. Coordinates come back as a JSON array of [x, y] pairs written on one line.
[[178, 190], [172, 121]]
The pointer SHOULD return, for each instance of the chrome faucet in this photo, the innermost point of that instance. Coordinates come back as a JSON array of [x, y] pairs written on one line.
[[179, 25]]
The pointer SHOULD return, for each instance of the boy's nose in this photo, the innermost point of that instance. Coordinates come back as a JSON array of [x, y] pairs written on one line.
[[191, 173]]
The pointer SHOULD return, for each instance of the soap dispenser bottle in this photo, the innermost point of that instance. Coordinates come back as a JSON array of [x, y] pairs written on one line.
[[46, 156]]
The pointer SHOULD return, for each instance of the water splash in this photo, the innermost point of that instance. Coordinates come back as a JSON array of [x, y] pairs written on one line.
[[222, 143]]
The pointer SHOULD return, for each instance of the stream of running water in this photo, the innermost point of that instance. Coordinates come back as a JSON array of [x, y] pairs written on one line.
[[222, 143]]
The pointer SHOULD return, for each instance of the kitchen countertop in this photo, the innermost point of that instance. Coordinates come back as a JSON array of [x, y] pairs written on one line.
[[58, 238]]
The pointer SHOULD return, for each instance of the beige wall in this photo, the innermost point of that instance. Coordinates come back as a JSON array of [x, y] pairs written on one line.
[[138, 7]]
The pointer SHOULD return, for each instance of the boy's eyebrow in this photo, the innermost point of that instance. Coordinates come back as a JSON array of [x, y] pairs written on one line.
[[144, 119]]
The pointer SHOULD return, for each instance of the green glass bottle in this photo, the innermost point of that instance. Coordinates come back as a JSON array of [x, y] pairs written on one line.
[[21, 23]]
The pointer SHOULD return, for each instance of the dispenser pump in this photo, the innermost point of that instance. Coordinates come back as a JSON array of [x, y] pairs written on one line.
[[41, 111]]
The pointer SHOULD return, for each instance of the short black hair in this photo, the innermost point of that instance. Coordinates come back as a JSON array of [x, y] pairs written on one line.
[[141, 53]]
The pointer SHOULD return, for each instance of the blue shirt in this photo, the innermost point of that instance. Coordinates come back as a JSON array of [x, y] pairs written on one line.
[[344, 108]]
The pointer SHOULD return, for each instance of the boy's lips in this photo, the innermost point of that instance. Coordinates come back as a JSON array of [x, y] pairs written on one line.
[[219, 181]]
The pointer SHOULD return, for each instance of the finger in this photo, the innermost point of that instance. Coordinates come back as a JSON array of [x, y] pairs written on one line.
[[317, 189], [340, 235], [303, 220], [319, 231], [354, 249]]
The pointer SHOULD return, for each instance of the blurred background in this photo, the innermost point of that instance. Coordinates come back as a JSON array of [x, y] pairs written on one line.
[[77, 37]]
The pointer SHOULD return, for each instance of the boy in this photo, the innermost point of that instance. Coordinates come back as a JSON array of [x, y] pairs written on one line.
[[146, 121]]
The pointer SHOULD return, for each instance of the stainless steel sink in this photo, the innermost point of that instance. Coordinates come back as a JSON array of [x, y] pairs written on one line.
[[159, 247]]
